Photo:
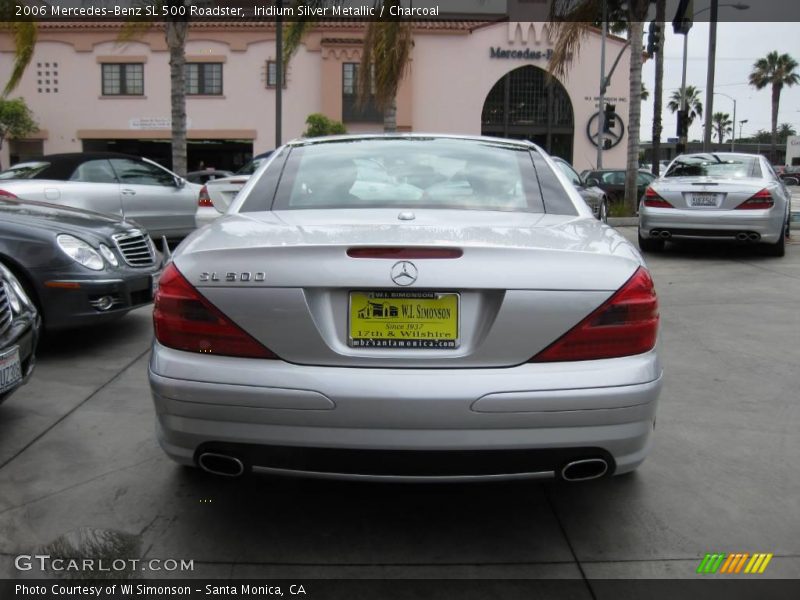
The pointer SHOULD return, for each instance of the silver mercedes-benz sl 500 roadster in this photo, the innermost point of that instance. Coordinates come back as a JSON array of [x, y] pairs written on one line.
[[410, 308]]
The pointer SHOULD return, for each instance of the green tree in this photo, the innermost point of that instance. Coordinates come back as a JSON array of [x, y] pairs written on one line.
[[784, 131], [570, 22], [16, 120], [722, 125], [384, 58], [176, 29], [775, 70], [694, 106], [319, 125]]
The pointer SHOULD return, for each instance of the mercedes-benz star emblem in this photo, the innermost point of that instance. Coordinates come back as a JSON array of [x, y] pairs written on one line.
[[404, 273]]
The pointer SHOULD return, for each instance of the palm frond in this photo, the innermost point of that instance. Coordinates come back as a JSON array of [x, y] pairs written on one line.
[[294, 32], [24, 35], [384, 60], [569, 23]]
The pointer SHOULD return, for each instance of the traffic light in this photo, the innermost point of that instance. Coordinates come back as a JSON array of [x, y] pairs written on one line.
[[608, 117], [653, 38], [682, 22]]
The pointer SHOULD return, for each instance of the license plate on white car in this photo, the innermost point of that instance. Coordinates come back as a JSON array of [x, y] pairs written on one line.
[[704, 200], [10, 369]]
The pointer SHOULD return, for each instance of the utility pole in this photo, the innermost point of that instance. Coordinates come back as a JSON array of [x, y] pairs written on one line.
[[712, 57], [601, 102], [278, 74]]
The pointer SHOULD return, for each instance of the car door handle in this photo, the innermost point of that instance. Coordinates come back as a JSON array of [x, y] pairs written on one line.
[[128, 192]]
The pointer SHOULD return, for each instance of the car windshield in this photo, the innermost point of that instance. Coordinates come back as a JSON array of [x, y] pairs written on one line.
[[24, 170], [410, 172], [713, 165]]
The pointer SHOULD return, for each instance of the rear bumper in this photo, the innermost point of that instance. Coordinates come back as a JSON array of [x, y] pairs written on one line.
[[547, 412], [712, 224]]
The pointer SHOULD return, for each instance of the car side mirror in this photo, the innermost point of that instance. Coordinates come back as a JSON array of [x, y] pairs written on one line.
[[179, 182], [592, 182]]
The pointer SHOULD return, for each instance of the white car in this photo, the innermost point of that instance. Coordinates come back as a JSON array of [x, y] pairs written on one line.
[[216, 195], [134, 188]]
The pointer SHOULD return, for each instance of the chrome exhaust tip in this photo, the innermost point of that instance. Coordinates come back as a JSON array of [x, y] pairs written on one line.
[[741, 236], [754, 237], [584, 470], [220, 464], [666, 234]]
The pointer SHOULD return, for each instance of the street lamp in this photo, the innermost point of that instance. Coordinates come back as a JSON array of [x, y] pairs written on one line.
[[733, 137], [712, 57], [741, 124]]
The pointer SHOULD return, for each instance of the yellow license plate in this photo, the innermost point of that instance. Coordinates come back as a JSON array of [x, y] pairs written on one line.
[[410, 320]]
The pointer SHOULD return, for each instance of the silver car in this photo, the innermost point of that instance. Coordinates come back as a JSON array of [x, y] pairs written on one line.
[[488, 327], [134, 188], [717, 196]]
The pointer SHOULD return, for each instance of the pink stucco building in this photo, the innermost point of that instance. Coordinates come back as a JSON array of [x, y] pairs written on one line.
[[90, 92]]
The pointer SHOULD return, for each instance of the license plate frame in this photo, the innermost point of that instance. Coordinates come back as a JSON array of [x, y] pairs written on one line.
[[704, 200], [439, 335], [10, 369]]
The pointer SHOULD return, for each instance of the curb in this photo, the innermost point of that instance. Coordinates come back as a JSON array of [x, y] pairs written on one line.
[[623, 221]]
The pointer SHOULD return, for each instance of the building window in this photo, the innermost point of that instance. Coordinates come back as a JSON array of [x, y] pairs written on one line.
[[204, 79], [272, 74], [125, 79], [351, 112], [46, 82]]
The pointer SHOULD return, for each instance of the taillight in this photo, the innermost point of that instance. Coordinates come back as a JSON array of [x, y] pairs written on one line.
[[204, 199], [624, 325], [652, 199], [5, 194], [185, 320], [761, 200]]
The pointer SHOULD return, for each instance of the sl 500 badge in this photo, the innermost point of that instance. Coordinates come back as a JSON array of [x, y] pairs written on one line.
[[232, 277]]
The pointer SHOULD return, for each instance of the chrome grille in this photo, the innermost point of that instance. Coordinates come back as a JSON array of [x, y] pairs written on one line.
[[136, 248], [5, 308]]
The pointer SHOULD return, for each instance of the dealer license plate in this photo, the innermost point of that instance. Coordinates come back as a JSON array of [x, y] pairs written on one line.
[[403, 319], [704, 200], [10, 369]]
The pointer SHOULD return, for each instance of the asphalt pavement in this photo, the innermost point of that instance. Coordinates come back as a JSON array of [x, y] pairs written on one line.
[[77, 450]]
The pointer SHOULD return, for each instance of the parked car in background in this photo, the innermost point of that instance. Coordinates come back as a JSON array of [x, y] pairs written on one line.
[[716, 196], [612, 182], [205, 175], [596, 198], [215, 197], [77, 267], [790, 174], [486, 326], [19, 333], [109, 183]]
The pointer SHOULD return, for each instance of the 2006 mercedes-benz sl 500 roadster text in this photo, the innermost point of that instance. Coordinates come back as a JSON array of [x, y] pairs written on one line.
[[411, 308]]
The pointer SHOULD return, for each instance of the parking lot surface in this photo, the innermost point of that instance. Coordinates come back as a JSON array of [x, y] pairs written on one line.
[[77, 449]]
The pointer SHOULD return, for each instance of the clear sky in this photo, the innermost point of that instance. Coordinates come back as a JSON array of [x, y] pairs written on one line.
[[739, 45]]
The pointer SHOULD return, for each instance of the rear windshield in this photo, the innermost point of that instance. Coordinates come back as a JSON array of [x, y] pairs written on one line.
[[712, 165], [410, 172], [24, 170]]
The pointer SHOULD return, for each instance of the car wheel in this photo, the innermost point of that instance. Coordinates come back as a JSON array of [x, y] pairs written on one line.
[[603, 211], [779, 247], [650, 244]]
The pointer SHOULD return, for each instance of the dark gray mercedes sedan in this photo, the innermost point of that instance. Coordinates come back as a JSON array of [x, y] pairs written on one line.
[[78, 267]]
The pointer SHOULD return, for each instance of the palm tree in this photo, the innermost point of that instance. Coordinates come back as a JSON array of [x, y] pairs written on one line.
[[658, 93], [694, 106], [775, 70], [722, 125], [384, 58], [175, 31], [570, 22], [24, 36]]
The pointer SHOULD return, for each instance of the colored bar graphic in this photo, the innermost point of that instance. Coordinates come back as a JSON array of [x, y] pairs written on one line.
[[734, 563]]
